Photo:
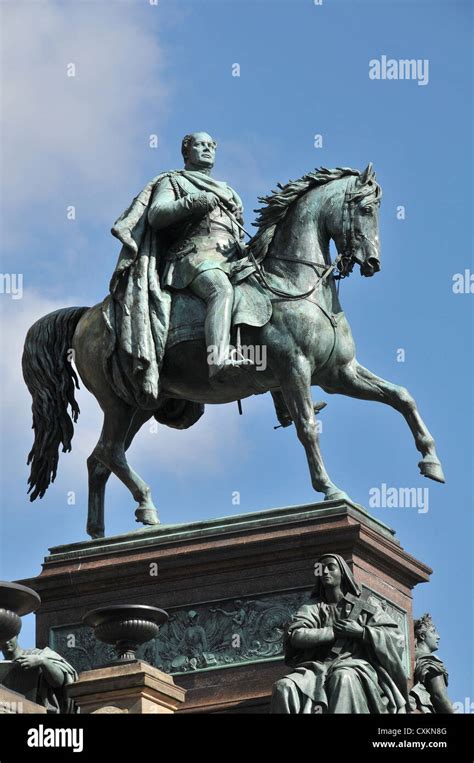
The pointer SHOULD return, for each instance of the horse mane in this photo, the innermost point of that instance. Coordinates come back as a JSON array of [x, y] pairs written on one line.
[[279, 201]]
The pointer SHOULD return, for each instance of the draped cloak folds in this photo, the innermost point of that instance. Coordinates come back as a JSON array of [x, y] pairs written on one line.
[[137, 310], [54, 698], [374, 680], [427, 667]]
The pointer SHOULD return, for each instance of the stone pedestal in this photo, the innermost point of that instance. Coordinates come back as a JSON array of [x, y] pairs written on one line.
[[229, 586], [12, 703], [133, 687]]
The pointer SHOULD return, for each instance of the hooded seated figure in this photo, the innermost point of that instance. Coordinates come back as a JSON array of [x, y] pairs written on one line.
[[341, 665], [54, 674]]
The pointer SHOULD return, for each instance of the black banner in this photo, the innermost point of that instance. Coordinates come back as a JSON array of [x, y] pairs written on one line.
[[93, 737]]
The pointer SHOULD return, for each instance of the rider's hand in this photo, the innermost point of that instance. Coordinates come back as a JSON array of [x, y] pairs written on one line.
[[204, 202], [212, 200]]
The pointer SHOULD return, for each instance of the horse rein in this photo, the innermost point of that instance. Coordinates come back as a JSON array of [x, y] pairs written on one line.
[[346, 257]]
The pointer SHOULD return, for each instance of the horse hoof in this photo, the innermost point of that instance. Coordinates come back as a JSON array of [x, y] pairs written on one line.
[[96, 532], [147, 516], [432, 469], [337, 495]]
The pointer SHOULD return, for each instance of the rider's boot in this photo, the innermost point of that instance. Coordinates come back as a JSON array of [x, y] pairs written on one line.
[[214, 287], [217, 329]]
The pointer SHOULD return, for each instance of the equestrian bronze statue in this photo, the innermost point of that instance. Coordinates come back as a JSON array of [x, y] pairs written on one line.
[[190, 307]]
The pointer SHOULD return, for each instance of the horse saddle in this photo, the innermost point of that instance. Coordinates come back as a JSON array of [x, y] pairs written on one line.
[[252, 306]]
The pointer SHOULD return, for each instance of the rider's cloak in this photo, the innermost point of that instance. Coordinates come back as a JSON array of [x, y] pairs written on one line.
[[137, 310]]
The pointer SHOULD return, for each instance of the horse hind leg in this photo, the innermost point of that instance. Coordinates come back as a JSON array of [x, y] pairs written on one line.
[[120, 427], [98, 476]]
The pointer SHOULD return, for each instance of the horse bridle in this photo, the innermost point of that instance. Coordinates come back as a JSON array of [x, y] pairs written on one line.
[[347, 254], [344, 262]]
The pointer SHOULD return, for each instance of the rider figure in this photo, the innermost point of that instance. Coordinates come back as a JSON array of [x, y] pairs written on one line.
[[198, 217]]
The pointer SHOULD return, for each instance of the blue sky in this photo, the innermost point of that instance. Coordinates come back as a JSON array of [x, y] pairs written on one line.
[[304, 70]]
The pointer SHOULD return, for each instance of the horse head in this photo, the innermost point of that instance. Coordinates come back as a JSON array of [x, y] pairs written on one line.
[[343, 203], [358, 240]]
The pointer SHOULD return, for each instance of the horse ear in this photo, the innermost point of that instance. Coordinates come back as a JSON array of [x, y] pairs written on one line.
[[367, 173]]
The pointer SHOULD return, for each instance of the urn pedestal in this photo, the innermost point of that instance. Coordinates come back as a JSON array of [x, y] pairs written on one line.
[[133, 687], [229, 585]]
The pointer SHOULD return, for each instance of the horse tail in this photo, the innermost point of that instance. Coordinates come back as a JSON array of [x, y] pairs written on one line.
[[51, 381]]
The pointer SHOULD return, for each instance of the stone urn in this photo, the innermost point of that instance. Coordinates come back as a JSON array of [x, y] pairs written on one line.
[[126, 627], [15, 601]]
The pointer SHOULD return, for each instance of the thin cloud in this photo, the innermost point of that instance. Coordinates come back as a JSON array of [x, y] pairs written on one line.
[[74, 139]]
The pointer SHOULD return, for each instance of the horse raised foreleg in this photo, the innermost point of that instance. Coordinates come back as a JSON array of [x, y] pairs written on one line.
[[356, 381], [296, 388], [98, 476], [118, 430]]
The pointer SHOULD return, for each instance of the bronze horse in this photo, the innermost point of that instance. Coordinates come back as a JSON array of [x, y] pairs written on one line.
[[308, 341]]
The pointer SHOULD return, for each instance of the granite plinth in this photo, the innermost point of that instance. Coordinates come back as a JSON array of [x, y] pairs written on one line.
[[229, 585], [12, 703]]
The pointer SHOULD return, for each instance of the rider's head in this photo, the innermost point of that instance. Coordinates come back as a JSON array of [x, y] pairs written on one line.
[[199, 151]]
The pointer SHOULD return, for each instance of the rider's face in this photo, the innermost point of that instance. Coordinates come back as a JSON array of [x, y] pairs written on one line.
[[201, 151]]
